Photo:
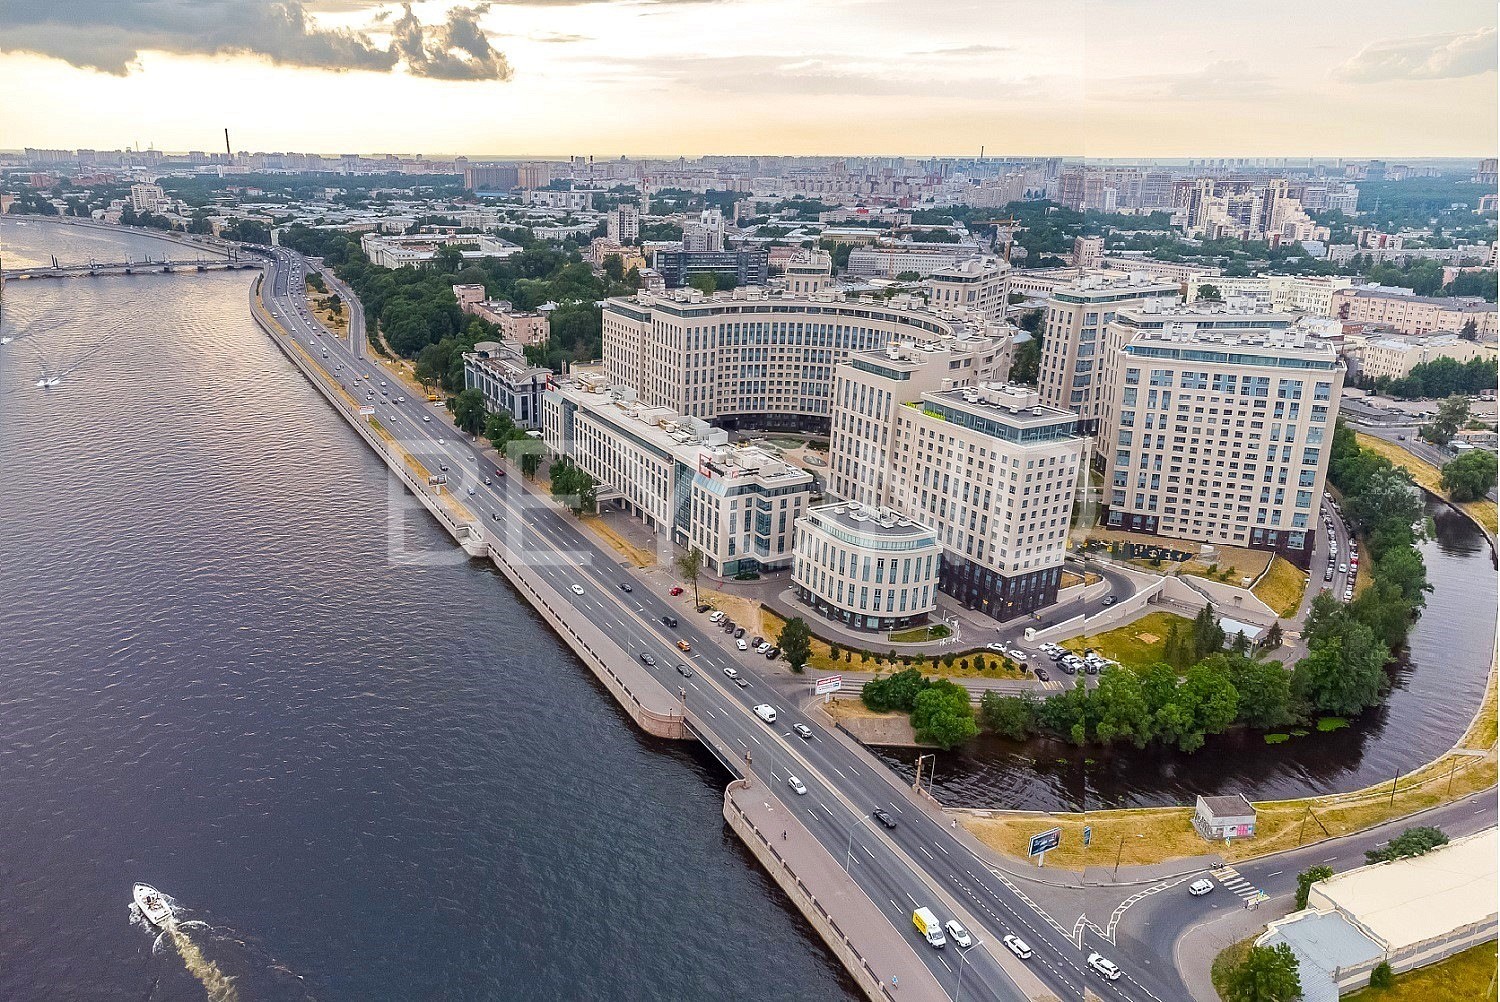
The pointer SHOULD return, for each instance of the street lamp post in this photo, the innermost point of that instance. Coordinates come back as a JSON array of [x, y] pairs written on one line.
[[958, 984]]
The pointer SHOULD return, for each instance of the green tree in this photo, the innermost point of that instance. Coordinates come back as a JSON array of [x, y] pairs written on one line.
[[1416, 841], [468, 409], [1452, 414], [1027, 363], [531, 461], [1207, 634], [706, 283], [1263, 690], [1273, 639], [1343, 672], [795, 643], [1120, 707], [1210, 294], [1382, 976], [943, 714], [1306, 879], [1011, 717], [690, 566], [894, 692], [1470, 476], [1268, 974]]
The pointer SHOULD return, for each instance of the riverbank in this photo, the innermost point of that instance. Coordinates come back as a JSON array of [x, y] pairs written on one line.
[[1152, 835], [1484, 514]]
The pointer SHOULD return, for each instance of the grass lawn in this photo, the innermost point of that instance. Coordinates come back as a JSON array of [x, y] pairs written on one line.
[[937, 631], [821, 662], [1139, 643], [1282, 587], [1463, 977]]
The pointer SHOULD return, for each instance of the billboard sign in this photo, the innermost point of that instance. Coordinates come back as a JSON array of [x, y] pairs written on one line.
[[1049, 839], [827, 684]]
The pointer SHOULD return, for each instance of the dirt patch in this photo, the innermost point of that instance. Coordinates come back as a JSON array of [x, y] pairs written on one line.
[[1148, 638], [892, 729]]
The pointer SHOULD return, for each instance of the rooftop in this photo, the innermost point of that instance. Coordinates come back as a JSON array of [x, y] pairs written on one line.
[[860, 523]]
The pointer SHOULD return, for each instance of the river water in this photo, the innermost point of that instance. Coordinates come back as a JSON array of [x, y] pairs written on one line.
[[1434, 694], [370, 779]]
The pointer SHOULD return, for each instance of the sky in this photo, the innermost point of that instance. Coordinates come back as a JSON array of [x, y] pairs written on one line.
[[1101, 78]]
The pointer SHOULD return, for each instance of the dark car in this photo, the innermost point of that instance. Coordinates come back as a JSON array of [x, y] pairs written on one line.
[[773, 654], [1067, 668], [1091, 668], [739, 632], [670, 621], [755, 642], [704, 607], [648, 661], [729, 626], [880, 815], [684, 671], [1041, 674], [625, 586]]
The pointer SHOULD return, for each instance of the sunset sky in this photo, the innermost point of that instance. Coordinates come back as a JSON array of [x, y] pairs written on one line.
[[640, 77]]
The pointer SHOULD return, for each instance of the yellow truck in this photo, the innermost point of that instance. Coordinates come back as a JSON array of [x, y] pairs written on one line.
[[929, 926]]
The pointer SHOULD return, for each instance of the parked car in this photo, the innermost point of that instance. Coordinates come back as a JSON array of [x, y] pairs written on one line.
[[1042, 675], [773, 654], [704, 607], [715, 616], [675, 590], [742, 645], [739, 632], [762, 647]]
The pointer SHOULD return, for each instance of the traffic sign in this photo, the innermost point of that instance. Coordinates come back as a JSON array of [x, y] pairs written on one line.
[[366, 411], [1088, 835], [1049, 839], [827, 684]]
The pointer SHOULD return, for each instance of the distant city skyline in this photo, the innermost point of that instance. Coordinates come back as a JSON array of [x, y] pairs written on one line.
[[552, 78]]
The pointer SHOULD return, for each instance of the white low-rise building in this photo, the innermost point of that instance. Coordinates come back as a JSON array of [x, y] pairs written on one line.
[[509, 382], [869, 568], [679, 475], [416, 249]]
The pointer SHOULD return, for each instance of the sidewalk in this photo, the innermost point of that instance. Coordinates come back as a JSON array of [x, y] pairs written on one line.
[[840, 910]]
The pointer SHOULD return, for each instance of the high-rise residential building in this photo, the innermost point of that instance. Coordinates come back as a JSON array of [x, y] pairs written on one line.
[[760, 360], [869, 568], [1073, 331], [980, 285], [491, 177], [1489, 172], [705, 234], [1087, 251], [1217, 426], [989, 468], [624, 222], [536, 174], [147, 197]]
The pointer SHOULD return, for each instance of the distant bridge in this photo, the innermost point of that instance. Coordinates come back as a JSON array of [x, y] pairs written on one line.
[[145, 266]]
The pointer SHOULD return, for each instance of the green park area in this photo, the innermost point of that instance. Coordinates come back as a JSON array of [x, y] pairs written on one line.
[[1137, 644]]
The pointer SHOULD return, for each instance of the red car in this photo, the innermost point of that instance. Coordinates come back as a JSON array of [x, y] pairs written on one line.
[[676, 590]]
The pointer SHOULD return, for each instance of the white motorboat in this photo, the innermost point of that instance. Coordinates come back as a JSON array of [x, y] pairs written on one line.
[[153, 904]]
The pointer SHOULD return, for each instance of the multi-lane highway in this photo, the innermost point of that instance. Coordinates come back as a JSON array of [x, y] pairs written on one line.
[[919, 862]]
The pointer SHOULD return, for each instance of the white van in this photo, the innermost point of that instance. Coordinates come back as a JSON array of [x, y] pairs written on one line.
[[766, 712], [1198, 888]]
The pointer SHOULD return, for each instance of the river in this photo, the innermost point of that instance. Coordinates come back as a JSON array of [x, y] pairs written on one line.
[[371, 779]]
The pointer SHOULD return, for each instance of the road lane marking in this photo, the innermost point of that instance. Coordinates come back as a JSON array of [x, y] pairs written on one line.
[[926, 853]]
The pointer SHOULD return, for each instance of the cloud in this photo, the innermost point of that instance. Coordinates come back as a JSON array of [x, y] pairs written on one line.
[[964, 50], [1226, 80], [110, 35], [1424, 57]]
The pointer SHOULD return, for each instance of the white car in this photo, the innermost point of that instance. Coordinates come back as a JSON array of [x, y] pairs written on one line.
[[765, 645], [1104, 968], [715, 616], [958, 934], [766, 712], [1017, 654], [578, 589], [731, 673], [1198, 888], [997, 648], [740, 643], [803, 731], [1017, 946], [427, 418], [796, 785]]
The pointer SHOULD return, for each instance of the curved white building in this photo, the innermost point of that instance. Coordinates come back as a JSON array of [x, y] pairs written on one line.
[[869, 568], [759, 360]]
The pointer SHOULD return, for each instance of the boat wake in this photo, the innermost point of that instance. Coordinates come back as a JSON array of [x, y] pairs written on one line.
[[160, 912]]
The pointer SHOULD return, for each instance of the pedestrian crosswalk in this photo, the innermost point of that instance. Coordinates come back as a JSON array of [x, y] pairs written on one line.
[[1229, 878]]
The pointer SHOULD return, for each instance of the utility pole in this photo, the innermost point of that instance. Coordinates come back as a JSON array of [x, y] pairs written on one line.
[[1394, 780], [1118, 853]]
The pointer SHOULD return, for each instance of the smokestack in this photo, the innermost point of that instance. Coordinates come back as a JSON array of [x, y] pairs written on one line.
[[227, 151]]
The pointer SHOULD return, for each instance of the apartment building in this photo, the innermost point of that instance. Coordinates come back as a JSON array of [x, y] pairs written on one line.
[[808, 272], [749, 358], [980, 285], [148, 198], [1076, 315], [1395, 356], [985, 464], [1087, 251], [511, 384], [869, 568], [679, 475], [624, 223], [1311, 294], [1410, 314], [1218, 425], [891, 261]]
